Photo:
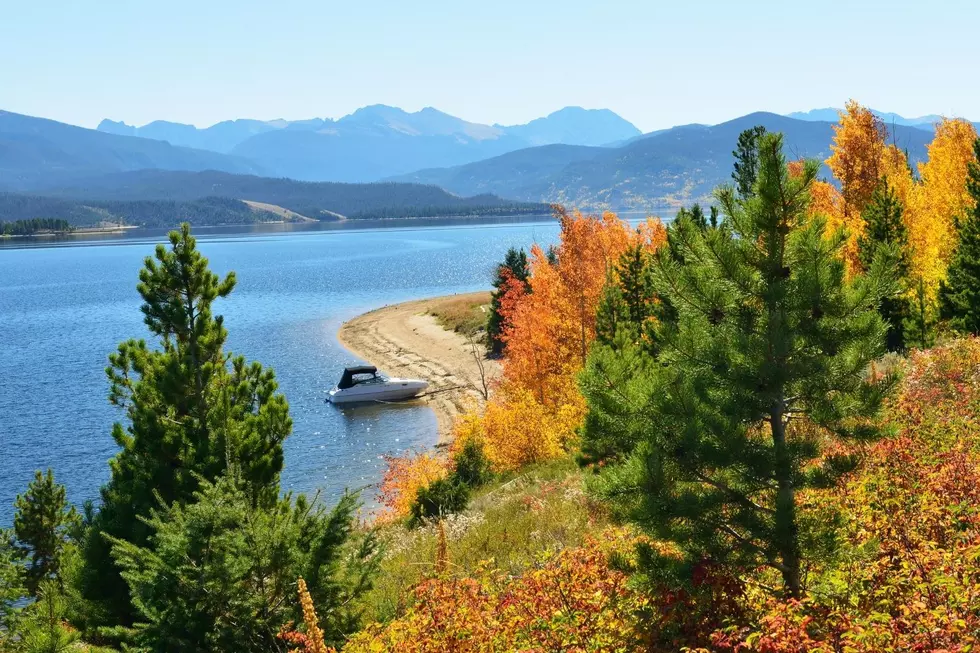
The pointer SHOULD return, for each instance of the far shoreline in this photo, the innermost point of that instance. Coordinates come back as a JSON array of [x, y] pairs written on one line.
[[83, 238]]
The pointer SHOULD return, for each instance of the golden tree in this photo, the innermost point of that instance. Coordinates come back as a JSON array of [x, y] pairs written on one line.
[[939, 200], [858, 149]]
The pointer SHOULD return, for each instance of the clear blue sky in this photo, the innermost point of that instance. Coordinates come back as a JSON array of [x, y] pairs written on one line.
[[656, 63]]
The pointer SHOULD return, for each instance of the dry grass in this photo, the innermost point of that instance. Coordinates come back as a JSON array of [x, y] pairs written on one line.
[[465, 315]]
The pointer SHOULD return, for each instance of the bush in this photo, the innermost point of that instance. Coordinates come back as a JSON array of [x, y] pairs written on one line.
[[470, 464], [441, 497]]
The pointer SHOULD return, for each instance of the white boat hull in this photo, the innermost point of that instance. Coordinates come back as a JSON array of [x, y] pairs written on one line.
[[391, 390]]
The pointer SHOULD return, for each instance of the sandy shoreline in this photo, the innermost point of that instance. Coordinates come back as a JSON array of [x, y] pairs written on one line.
[[406, 340]]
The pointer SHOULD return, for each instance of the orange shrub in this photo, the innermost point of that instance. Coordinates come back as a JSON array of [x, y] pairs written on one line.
[[403, 478], [573, 602], [517, 430]]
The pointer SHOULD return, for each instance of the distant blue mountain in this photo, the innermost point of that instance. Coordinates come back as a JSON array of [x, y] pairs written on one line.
[[36, 150], [222, 137], [831, 115], [575, 126], [379, 141]]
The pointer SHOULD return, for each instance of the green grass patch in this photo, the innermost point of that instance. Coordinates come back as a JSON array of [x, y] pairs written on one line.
[[511, 523]]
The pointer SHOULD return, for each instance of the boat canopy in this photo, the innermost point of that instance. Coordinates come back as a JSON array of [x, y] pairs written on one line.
[[347, 380]]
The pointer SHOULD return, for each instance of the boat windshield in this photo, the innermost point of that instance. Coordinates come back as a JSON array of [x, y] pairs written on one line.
[[369, 380]]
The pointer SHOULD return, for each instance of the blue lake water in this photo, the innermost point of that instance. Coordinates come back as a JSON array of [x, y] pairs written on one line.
[[65, 305]]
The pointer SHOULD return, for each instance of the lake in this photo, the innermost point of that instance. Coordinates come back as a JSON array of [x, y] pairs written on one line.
[[66, 304]]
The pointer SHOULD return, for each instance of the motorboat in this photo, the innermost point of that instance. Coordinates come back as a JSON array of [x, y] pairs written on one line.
[[363, 383]]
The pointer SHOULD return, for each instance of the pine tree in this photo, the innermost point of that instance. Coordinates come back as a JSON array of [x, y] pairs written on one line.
[[698, 217], [625, 342], [514, 266], [42, 523], [767, 358], [193, 410], [629, 299], [959, 294], [43, 628], [219, 574], [885, 225], [747, 160], [12, 590]]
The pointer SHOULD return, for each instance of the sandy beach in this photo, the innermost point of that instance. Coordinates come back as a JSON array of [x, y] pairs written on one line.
[[407, 340]]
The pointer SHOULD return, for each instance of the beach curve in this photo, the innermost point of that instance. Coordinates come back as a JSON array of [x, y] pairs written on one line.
[[407, 340]]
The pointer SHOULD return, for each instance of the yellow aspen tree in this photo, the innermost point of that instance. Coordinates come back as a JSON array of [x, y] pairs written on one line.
[[941, 198]]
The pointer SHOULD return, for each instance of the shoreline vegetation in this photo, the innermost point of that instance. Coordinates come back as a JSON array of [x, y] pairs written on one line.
[[299, 220]]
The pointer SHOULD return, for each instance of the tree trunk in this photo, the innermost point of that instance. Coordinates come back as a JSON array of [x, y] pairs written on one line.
[[786, 528]]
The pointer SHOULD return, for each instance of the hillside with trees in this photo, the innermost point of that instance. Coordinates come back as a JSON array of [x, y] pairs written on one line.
[[667, 169], [167, 198], [704, 439]]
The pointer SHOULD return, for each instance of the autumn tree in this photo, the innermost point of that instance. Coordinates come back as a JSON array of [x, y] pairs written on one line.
[[856, 162], [857, 149], [553, 326], [192, 411], [513, 269], [766, 360], [942, 197], [959, 294], [538, 408], [747, 160], [42, 525], [885, 227]]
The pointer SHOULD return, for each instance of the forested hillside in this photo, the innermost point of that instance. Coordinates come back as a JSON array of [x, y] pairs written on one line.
[[143, 213], [164, 198], [670, 168]]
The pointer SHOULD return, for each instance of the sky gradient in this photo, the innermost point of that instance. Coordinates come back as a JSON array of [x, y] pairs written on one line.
[[655, 63]]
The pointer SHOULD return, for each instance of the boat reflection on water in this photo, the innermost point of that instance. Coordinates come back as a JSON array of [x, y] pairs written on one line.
[[373, 411]]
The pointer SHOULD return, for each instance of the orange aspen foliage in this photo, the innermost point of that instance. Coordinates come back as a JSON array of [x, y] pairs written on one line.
[[941, 198], [827, 201], [895, 168], [551, 330], [547, 334], [858, 149], [403, 478]]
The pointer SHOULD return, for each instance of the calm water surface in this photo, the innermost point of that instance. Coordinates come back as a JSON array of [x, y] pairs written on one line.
[[64, 306]]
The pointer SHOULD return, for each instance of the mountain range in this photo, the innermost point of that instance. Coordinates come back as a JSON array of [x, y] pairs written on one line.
[[830, 114], [664, 169], [36, 151], [379, 141], [430, 162]]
